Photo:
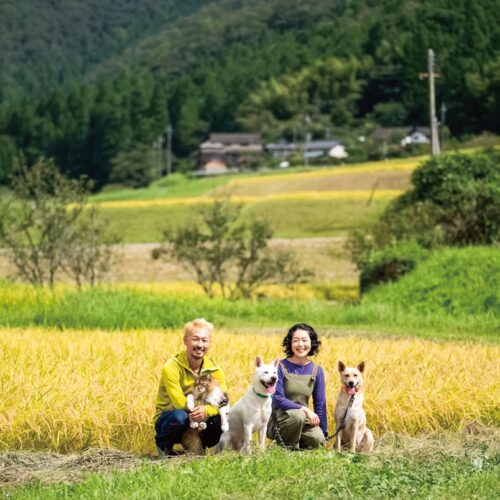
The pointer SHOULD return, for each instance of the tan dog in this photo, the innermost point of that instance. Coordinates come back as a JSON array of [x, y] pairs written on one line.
[[354, 433]]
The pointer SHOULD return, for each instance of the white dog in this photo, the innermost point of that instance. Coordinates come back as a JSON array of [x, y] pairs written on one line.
[[354, 434], [252, 412]]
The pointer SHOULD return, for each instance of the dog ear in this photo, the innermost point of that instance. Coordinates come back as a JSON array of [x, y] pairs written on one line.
[[276, 362], [341, 367], [361, 366], [258, 361]]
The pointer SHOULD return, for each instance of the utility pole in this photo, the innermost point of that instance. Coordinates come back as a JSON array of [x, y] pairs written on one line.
[[169, 131], [432, 101]]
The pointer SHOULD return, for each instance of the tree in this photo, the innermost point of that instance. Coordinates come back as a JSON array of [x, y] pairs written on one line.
[[43, 224], [135, 168], [90, 253], [227, 254]]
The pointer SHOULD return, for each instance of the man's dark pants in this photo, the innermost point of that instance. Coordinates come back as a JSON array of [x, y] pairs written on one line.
[[173, 423]]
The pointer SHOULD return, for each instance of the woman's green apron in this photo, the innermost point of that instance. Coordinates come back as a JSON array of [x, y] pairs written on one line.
[[293, 425]]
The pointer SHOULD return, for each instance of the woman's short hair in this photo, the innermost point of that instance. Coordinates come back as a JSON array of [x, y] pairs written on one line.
[[315, 342], [197, 324]]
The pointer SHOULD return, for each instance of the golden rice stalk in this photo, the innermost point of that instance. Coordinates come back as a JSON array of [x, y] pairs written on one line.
[[68, 390]]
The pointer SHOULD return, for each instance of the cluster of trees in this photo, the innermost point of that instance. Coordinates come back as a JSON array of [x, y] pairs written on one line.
[[261, 66], [85, 128]]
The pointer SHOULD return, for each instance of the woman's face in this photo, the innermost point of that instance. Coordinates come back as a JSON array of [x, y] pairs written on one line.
[[301, 343]]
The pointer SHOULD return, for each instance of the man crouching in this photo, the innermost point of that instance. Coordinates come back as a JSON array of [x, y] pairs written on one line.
[[178, 377]]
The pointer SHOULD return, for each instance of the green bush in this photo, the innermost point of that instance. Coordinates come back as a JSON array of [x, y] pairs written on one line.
[[462, 192], [454, 201], [390, 264]]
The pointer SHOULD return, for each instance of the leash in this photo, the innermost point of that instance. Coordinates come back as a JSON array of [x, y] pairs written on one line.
[[342, 422], [281, 441], [279, 438]]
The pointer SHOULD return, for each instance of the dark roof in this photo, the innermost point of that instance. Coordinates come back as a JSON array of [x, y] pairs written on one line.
[[281, 146], [235, 138], [321, 144]]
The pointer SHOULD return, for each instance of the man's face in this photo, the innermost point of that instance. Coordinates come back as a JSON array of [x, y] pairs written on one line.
[[197, 344]]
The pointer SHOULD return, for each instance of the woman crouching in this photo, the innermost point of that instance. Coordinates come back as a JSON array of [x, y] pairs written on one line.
[[293, 424]]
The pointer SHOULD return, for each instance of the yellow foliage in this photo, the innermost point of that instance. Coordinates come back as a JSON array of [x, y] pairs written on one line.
[[330, 291], [405, 165], [67, 390], [361, 195]]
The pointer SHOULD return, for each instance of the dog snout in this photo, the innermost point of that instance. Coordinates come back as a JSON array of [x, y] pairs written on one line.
[[351, 383], [274, 379]]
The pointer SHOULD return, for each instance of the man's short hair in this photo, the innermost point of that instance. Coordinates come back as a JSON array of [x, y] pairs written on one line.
[[198, 324]]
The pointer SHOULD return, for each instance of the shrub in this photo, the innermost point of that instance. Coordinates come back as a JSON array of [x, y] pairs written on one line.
[[390, 264]]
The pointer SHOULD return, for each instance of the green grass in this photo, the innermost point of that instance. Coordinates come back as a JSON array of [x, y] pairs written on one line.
[[288, 218], [175, 186], [452, 294], [104, 307], [280, 474], [450, 280]]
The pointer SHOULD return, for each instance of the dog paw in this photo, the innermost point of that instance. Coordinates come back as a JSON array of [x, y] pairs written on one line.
[[202, 425], [194, 425]]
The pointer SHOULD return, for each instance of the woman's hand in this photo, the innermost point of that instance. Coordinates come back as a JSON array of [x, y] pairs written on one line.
[[313, 418]]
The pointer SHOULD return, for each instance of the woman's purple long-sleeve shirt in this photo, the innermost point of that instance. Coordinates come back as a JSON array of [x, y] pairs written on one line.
[[319, 391]]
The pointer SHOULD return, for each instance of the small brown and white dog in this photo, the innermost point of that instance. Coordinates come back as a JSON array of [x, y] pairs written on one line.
[[354, 434], [206, 390]]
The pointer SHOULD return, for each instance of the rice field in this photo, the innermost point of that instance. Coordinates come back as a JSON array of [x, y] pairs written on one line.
[[69, 390], [344, 195]]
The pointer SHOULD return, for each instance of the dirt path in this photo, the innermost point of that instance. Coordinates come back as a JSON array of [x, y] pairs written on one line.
[[325, 256]]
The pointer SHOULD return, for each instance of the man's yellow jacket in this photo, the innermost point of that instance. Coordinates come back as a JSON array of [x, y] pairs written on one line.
[[177, 380]]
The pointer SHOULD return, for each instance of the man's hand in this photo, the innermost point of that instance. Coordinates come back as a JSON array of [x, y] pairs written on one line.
[[313, 418], [198, 414]]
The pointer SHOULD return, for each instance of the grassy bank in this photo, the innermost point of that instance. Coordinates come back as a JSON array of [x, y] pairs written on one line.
[[451, 280]]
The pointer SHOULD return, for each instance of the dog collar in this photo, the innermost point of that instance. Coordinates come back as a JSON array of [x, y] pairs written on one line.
[[262, 395]]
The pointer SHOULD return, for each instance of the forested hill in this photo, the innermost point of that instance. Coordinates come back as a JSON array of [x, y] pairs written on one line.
[[48, 42], [223, 65]]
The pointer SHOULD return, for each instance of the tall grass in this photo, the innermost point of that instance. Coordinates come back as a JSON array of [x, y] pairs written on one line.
[[68, 390], [137, 307]]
